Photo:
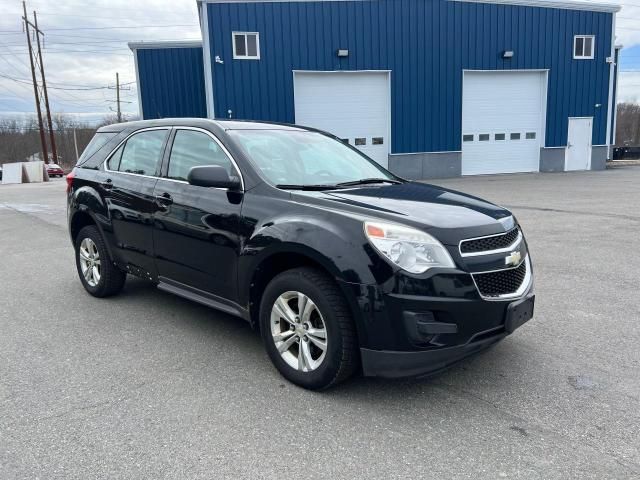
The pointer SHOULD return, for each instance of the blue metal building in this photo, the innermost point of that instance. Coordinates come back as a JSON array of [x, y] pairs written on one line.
[[170, 78], [429, 88]]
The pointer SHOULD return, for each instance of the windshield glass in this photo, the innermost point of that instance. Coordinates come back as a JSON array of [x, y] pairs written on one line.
[[288, 157]]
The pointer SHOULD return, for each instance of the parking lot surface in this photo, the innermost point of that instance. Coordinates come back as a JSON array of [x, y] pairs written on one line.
[[148, 385]]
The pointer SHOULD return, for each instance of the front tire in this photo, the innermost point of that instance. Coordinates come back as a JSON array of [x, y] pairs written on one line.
[[98, 274], [307, 329]]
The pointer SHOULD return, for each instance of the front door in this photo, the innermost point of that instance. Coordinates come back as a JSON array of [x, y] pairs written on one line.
[[127, 186], [578, 156], [196, 228]]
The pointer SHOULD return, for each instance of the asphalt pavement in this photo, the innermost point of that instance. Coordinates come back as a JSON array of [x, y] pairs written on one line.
[[149, 385]]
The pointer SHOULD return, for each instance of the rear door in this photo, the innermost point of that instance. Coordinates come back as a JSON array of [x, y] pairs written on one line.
[[195, 230], [127, 185]]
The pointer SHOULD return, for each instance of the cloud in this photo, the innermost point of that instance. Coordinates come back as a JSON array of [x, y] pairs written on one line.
[[629, 87], [75, 55]]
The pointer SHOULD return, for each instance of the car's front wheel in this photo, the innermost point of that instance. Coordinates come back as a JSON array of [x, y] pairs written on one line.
[[99, 276], [308, 330]]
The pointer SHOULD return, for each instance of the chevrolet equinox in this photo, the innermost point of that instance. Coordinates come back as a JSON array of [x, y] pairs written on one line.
[[339, 264]]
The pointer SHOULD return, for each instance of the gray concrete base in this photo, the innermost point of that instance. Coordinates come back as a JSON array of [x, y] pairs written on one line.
[[422, 166], [419, 166], [599, 157], [552, 159]]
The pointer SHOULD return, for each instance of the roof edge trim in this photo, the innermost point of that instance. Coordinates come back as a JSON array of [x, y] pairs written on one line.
[[564, 4], [165, 44]]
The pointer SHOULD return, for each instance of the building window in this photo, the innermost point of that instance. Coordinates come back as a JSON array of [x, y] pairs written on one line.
[[360, 141], [246, 45], [514, 136], [377, 141], [500, 136], [467, 138], [483, 137], [530, 135], [583, 47]]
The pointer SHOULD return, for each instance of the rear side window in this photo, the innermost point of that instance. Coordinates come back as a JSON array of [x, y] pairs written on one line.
[[98, 141], [140, 154], [193, 149]]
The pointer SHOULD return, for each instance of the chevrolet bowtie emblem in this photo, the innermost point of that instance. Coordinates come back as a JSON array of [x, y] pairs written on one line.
[[513, 258]]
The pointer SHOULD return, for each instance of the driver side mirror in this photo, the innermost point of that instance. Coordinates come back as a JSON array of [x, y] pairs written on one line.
[[213, 176]]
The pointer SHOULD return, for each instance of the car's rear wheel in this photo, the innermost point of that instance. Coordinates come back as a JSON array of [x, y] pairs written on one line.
[[98, 274], [308, 330]]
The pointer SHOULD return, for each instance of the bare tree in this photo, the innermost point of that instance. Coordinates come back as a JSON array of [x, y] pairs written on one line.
[[628, 124], [108, 120], [19, 139]]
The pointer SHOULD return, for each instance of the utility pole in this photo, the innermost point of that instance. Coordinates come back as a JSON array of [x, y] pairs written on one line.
[[43, 142], [54, 153], [75, 143], [118, 97], [119, 102]]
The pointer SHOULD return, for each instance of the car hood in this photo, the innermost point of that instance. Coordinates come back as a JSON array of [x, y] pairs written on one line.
[[448, 214]]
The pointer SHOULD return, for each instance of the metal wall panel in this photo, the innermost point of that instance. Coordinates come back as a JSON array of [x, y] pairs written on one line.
[[426, 44], [171, 82]]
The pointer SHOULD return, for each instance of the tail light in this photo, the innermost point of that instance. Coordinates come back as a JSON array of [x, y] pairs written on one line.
[[70, 178]]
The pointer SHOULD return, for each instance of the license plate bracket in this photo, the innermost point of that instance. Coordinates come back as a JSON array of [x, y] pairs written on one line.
[[519, 313]]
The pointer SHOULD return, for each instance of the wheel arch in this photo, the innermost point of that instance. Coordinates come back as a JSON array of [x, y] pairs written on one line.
[[288, 257], [84, 217], [80, 219]]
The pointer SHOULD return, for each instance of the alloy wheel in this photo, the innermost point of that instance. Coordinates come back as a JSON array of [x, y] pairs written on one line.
[[90, 262], [298, 331]]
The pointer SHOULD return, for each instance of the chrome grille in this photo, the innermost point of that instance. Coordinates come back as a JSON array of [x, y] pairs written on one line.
[[490, 243], [502, 282]]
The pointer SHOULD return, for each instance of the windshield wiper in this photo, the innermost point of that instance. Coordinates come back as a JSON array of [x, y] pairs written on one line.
[[305, 187], [365, 181]]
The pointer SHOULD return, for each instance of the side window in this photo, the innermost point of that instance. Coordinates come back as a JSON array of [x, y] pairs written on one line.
[[193, 149], [114, 161], [140, 154]]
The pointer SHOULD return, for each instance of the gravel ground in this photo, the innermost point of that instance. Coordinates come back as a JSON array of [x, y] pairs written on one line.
[[148, 385]]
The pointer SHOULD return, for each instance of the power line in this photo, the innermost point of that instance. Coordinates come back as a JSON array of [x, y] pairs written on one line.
[[19, 80], [77, 102], [77, 44], [69, 52], [121, 27]]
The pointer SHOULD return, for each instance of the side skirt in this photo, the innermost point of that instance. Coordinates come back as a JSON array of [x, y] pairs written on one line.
[[200, 296]]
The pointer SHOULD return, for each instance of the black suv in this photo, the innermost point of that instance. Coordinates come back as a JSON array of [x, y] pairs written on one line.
[[339, 264]]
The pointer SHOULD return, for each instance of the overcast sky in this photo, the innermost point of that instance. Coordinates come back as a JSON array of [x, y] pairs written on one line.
[[86, 44]]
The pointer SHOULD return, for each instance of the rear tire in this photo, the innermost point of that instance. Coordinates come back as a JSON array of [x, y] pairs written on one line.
[[98, 274], [317, 347]]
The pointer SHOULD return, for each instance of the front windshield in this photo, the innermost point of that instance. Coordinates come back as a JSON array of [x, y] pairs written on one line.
[[287, 157]]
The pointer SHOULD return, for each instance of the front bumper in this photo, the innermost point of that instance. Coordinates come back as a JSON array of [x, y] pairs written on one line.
[[390, 364]]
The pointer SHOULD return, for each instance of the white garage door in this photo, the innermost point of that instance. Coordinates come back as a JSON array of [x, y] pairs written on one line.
[[353, 106], [502, 121]]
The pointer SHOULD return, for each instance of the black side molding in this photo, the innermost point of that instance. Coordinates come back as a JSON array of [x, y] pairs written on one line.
[[202, 297]]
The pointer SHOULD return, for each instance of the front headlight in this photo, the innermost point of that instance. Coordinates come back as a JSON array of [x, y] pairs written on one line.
[[410, 249]]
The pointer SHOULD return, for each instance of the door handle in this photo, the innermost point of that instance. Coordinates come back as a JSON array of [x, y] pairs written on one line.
[[107, 184], [164, 200]]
